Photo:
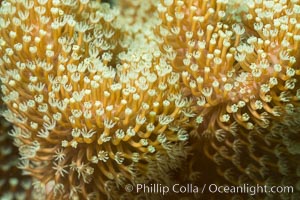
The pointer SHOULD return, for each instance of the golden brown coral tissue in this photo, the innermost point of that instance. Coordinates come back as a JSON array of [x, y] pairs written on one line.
[[102, 97]]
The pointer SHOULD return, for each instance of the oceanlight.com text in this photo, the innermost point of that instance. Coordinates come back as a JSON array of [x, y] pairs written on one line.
[[207, 188]]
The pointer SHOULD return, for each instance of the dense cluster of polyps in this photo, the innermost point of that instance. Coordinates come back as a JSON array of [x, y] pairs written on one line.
[[201, 46], [102, 97], [88, 118], [236, 76], [243, 75], [269, 59]]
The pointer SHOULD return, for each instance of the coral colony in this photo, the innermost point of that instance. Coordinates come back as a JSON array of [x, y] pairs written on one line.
[[149, 99]]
